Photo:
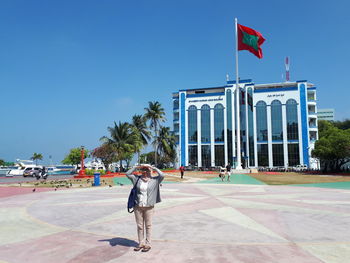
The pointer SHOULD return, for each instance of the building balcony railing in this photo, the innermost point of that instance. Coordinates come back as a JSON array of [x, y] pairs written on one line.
[[312, 115], [312, 126]]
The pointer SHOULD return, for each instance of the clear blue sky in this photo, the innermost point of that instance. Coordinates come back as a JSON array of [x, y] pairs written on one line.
[[69, 69]]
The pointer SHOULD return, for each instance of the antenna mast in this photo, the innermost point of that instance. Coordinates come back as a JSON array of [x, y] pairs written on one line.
[[287, 69]]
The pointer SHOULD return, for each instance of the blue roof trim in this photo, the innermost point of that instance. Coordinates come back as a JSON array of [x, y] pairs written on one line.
[[275, 90], [205, 94], [304, 80], [312, 88], [240, 81]]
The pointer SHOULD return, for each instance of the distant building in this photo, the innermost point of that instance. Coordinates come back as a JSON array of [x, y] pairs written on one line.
[[278, 125], [325, 114]]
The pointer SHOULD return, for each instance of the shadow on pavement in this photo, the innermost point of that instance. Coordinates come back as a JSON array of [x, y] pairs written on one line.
[[119, 241]]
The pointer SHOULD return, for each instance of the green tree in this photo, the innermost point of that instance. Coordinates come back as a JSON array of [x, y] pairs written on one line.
[[165, 145], [343, 125], [333, 146], [36, 157], [147, 157], [74, 156], [139, 122], [155, 114], [2, 162], [324, 128], [127, 157], [123, 140]]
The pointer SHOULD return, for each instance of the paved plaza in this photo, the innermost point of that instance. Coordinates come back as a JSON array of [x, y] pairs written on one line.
[[196, 222]]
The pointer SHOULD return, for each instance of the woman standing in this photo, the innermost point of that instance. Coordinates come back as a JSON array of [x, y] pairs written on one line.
[[148, 195]]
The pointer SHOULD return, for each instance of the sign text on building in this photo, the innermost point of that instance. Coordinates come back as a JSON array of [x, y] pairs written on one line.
[[205, 100], [275, 95]]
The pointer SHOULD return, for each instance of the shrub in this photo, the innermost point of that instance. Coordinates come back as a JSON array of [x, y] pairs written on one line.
[[92, 171]]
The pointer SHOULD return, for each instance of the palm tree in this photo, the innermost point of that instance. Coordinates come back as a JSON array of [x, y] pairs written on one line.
[[139, 123], [155, 114], [165, 143], [36, 157], [123, 139]]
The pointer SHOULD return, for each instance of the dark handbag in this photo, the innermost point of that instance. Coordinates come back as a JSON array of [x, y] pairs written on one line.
[[132, 197]]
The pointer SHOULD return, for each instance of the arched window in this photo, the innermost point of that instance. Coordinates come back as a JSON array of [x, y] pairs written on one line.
[[276, 120], [292, 120], [205, 123], [176, 104], [192, 124], [261, 121], [219, 122]]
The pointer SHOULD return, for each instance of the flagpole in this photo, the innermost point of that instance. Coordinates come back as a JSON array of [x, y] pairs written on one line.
[[238, 126]]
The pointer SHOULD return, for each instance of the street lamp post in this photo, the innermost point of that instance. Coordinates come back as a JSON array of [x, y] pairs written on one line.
[[82, 168]]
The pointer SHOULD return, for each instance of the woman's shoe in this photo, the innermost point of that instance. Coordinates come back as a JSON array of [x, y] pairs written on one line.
[[138, 248], [146, 248]]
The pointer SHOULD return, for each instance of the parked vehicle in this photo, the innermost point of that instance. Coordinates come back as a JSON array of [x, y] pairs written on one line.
[[20, 166], [32, 172], [300, 168]]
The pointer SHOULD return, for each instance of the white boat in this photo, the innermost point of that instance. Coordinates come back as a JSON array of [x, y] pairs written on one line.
[[5, 169], [21, 166], [61, 169], [95, 164]]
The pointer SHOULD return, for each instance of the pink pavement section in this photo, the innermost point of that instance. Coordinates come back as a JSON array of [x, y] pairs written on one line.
[[6, 191], [193, 223]]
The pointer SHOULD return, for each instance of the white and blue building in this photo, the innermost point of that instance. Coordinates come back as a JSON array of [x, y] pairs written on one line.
[[278, 124]]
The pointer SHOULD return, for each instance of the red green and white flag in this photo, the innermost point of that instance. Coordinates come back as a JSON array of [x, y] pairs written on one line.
[[249, 39]]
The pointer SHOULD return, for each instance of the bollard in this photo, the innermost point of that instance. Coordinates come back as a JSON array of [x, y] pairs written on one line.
[[96, 179]]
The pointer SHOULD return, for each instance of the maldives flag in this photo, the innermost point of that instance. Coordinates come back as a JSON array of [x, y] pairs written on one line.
[[249, 39]]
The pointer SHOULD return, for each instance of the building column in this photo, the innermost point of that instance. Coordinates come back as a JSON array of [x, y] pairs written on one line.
[[233, 124], [285, 135], [246, 128], [199, 138], [269, 135], [183, 129], [225, 135], [255, 138], [212, 137]]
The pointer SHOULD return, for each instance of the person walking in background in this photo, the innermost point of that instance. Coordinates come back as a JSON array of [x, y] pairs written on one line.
[[148, 194], [182, 171], [228, 171], [222, 173]]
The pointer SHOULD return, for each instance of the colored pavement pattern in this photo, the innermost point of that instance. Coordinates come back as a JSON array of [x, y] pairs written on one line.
[[195, 222], [336, 185]]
